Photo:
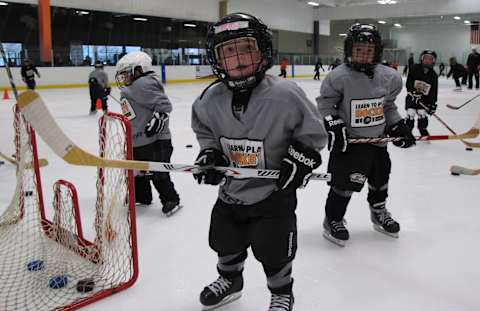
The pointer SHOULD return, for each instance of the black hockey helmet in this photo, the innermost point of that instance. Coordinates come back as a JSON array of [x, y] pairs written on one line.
[[363, 33], [432, 54], [240, 25], [98, 64]]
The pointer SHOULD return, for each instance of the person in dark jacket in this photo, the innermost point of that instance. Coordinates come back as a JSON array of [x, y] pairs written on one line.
[[441, 69], [457, 71], [28, 73], [473, 62], [409, 67]]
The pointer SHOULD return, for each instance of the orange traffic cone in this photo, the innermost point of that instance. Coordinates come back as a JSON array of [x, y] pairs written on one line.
[[5, 94], [98, 104]]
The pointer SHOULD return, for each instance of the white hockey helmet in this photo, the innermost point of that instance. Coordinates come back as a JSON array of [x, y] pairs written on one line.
[[125, 69]]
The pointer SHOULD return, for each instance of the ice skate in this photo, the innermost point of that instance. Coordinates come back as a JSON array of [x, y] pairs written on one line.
[[220, 292], [171, 207], [282, 298], [335, 231], [383, 222]]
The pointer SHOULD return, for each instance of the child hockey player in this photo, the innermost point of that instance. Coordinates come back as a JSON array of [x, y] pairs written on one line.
[[148, 108], [357, 99], [258, 121]]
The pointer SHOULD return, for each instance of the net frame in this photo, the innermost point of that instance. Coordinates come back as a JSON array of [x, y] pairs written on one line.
[[37, 253]]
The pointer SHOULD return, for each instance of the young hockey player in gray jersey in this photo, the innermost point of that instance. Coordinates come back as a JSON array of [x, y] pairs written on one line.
[[99, 87], [253, 121], [357, 99], [148, 108]]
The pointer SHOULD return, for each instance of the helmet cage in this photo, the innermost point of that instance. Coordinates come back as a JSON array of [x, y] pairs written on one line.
[[236, 26], [363, 34]]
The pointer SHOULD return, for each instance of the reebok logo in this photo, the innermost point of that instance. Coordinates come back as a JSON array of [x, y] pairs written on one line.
[[335, 122], [301, 158]]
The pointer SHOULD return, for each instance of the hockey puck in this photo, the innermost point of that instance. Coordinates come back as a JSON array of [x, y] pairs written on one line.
[[35, 265], [1, 162], [58, 282], [85, 285], [469, 149], [188, 146], [455, 174]]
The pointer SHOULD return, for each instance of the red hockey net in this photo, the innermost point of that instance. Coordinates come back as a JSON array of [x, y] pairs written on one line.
[[49, 264]]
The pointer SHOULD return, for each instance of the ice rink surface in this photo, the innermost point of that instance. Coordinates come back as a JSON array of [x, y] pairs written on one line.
[[433, 266]]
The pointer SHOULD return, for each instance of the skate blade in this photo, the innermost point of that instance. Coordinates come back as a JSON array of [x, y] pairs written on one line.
[[228, 299], [335, 241], [381, 230], [173, 211]]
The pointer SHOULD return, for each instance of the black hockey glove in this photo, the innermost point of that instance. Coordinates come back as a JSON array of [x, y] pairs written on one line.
[[107, 90], [401, 129], [297, 166], [337, 133], [206, 160], [156, 124], [431, 108]]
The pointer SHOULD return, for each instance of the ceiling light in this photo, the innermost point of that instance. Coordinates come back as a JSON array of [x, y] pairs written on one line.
[[387, 1], [457, 17], [189, 25], [397, 25], [313, 3], [3, 3], [140, 19], [342, 34], [82, 12], [466, 22], [382, 22]]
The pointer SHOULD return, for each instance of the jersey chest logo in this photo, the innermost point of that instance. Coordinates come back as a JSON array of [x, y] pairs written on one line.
[[127, 109], [367, 112], [244, 152], [422, 87]]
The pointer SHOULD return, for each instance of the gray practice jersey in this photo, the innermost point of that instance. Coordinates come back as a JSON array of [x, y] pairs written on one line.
[[139, 101], [366, 105], [278, 113], [101, 76]]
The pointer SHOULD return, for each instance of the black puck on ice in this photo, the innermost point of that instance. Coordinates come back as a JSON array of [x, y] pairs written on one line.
[[469, 149], [455, 174], [188, 146], [85, 285], [1, 162]]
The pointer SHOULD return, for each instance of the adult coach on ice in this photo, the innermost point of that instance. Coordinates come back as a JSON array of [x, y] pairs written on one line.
[[249, 119], [357, 99]]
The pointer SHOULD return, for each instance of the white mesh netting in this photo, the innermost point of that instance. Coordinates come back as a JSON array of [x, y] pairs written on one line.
[[48, 264]]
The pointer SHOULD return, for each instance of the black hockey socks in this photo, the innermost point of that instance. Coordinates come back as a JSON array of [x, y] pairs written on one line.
[[278, 277], [422, 124], [231, 266], [337, 202], [377, 196]]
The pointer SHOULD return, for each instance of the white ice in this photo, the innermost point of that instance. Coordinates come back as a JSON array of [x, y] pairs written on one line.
[[433, 266]]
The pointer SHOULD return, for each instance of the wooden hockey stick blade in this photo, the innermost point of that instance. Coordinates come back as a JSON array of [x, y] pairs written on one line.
[[471, 144], [41, 162], [464, 104], [37, 114], [460, 170]]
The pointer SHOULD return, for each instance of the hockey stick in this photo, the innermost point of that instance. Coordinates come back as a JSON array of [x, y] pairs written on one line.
[[442, 122], [9, 72], [471, 133], [41, 162], [37, 114], [465, 103], [460, 170]]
